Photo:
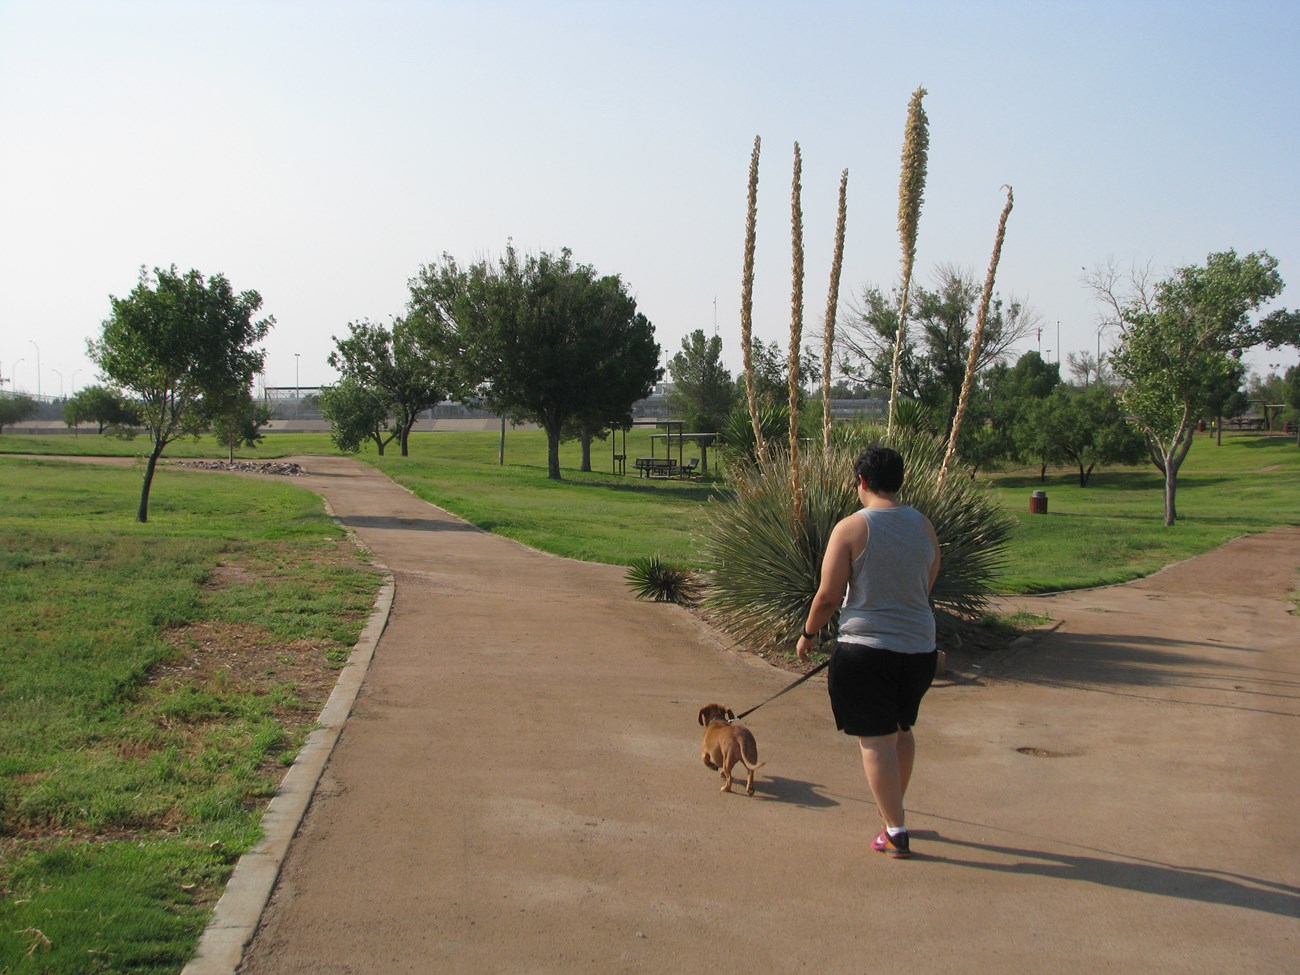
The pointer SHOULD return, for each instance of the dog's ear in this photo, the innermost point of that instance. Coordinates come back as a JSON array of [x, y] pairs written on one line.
[[702, 710], [731, 715]]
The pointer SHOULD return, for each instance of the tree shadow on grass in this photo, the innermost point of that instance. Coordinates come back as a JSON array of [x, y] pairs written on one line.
[[1116, 870]]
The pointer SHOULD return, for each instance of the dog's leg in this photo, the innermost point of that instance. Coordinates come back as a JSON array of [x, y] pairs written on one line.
[[749, 781], [726, 775]]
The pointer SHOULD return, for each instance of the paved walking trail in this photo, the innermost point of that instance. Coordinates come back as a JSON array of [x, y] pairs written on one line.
[[519, 789]]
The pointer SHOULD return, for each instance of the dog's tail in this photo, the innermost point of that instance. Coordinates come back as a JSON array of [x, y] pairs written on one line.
[[753, 768]]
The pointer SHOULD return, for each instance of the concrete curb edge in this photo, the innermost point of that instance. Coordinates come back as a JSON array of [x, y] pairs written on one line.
[[238, 912]]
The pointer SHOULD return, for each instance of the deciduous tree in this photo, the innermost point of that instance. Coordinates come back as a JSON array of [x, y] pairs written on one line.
[[15, 409], [104, 406], [173, 341], [1085, 427], [407, 375], [1178, 337], [237, 421], [356, 414], [545, 339]]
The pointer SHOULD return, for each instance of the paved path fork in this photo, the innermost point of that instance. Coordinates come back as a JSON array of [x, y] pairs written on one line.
[[518, 788]]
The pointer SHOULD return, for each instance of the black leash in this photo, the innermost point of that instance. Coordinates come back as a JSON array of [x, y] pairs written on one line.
[[821, 666]]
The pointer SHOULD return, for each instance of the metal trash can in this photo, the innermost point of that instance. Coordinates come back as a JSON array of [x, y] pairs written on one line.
[[1038, 503]]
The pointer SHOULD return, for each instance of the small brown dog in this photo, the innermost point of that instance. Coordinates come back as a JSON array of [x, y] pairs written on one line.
[[725, 743]]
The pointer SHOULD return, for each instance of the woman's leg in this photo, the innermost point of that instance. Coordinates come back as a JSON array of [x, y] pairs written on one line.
[[883, 760]]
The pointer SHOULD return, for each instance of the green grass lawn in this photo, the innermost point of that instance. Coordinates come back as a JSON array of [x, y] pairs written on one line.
[[156, 679]]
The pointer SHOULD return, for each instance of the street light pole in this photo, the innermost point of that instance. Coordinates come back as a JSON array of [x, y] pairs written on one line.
[[38, 367], [297, 395], [13, 372], [60, 375], [73, 385]]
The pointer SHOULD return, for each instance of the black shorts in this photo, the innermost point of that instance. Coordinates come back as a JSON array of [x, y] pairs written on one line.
[[877, 692]]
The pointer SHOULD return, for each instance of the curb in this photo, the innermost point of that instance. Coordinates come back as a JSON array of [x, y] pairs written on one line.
[[238, 913]]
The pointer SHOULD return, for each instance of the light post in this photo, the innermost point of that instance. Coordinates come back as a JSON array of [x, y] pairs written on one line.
[[73, 385], [297, 408], [60, 375], [38, 367], [13, 372]]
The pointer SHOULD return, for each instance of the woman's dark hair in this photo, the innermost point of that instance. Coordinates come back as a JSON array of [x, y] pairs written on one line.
[[881, 468]]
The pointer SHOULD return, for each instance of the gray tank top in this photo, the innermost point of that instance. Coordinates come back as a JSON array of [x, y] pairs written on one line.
[[888, 600]]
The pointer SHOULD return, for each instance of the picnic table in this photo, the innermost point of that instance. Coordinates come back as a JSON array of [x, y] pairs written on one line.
[[655, 466]]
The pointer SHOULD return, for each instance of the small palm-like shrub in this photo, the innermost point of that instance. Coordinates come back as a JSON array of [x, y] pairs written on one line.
[[652, 578], [737, 433], [765, 569]]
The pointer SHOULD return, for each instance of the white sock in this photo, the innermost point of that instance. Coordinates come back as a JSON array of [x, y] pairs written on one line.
[[895, 830]]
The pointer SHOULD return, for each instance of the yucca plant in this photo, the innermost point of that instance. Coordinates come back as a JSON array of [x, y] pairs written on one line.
[[663, 582], [737, 433], [910, 415], [764, 574]]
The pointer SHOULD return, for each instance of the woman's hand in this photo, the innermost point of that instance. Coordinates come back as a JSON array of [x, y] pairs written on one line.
[[803, 646]]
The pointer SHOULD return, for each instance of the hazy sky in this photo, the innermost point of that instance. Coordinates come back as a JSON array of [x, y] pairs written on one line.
[[321, 152]]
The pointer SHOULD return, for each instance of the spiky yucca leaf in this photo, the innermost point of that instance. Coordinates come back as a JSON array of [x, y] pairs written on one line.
[[764, 574]]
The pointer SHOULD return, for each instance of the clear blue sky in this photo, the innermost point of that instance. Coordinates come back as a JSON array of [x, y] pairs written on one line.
[[321, 152]]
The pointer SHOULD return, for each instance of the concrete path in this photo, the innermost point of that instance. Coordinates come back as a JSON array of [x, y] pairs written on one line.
[[518, 788]]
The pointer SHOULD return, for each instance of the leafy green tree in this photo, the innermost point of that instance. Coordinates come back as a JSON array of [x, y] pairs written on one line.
[[545, 339], [175, 340], [15, 409], [703, 392], [408, 376], [932, 362], [356, 414], [237, 421], [1012, 394], [1224, 396], [1179, 337], [1085, 427], [102, 405]]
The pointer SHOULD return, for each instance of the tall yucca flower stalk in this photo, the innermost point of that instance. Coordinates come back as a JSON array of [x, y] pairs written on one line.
[[977, 338], [832, 303], [911, 193], [747, 304], [796, 330]]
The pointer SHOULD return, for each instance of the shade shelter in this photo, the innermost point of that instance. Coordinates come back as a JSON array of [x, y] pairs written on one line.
[[703, 440], [665, 465]]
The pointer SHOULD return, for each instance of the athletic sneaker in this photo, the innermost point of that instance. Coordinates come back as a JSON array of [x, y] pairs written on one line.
[[896, 846]]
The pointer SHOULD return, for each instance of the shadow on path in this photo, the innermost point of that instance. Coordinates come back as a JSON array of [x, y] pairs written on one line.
[[1118, 871]]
